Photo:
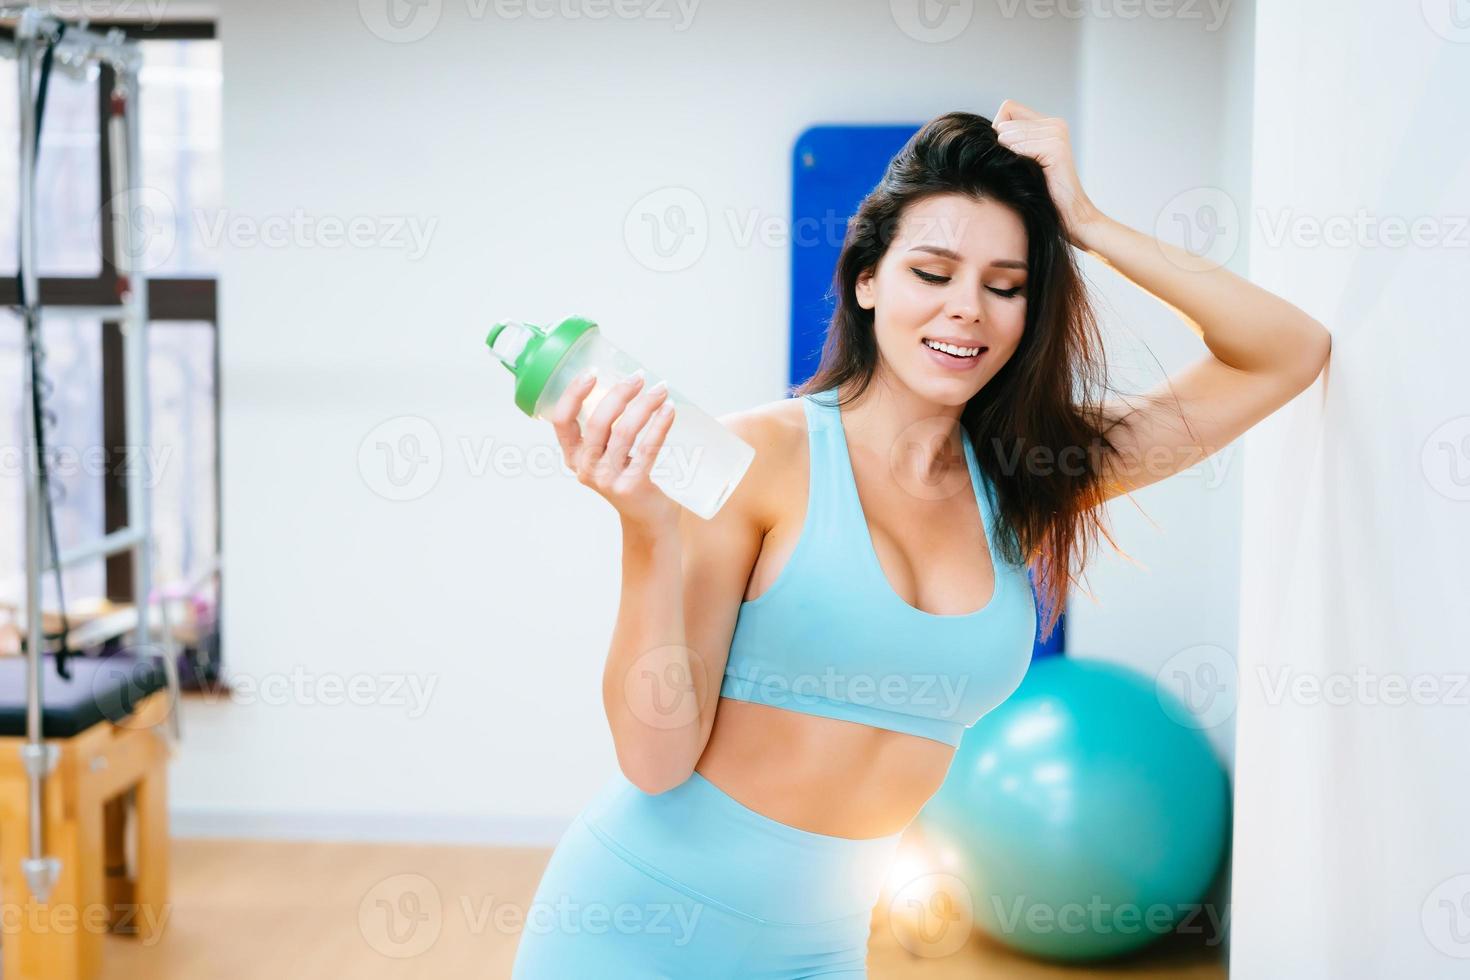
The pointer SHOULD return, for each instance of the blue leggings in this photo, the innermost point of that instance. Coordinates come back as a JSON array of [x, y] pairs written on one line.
[[691, 883]]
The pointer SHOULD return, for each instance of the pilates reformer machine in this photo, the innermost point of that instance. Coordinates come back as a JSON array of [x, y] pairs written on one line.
[[103, 734]]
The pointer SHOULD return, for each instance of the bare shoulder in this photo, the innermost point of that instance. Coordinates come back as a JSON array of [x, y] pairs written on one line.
[[776, 430], [770, 423]]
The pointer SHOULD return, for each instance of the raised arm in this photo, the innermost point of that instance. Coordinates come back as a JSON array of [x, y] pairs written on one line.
[[1263, 350], [1263, 353]]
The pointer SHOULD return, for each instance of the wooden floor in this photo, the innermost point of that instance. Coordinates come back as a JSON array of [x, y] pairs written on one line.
[[251, 910]]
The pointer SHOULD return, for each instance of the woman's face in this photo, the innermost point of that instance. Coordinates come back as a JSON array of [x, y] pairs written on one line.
[[956, 272]]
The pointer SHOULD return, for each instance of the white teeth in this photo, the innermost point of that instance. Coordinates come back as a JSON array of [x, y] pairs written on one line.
[[951, 348]]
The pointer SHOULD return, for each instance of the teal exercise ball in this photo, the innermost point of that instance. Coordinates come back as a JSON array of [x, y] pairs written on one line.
[[1086, 816]]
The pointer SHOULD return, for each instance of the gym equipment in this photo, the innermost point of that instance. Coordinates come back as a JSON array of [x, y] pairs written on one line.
[[1085, 821], [105, 732], [43, 42]]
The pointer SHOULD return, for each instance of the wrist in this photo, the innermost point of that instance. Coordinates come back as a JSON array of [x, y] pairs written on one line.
[[1083, 224], [644, 535]]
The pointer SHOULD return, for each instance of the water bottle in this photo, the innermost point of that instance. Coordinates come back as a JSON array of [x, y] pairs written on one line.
[[700, 462]]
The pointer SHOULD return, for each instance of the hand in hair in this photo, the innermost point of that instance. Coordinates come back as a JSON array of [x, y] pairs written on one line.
[[1045, 139]]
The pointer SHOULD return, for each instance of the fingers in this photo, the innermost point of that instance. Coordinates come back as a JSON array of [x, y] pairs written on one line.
[[601, 450], [1041, 137], [563, 416], [1030, 130], [653, 440], [1011, 109], [598, 428], [630, 423], [1031, 141], [604, 451]]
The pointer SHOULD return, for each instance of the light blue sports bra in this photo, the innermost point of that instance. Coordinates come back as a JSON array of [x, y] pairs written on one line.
[[831, 637]]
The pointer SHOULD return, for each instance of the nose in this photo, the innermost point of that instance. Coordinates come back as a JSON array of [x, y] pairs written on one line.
[[964, 307]]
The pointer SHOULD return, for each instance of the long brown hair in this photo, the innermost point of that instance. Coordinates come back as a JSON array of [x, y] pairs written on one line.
[[1049, 394]]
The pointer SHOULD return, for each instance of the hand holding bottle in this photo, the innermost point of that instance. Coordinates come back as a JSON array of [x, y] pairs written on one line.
[[700, 461], [603, 453]]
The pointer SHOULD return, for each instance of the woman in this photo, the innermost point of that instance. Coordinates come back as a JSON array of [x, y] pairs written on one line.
[[787, 681]]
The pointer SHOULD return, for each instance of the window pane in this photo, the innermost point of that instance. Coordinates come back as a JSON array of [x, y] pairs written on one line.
[[12, 446], [179, 466], [181, 376], [180, 135], [179, 131], [68, 177], [73, 367]]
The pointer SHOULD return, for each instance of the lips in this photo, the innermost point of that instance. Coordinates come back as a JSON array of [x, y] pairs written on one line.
[[954, 343], [949, 362]]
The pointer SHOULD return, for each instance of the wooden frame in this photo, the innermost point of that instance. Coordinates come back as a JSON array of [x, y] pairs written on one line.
[[100, 774]]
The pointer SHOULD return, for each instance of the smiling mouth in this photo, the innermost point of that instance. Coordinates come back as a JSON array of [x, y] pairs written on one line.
[[959, 353]]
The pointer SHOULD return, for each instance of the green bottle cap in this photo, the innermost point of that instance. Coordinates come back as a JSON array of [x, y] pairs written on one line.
[[533, 353]]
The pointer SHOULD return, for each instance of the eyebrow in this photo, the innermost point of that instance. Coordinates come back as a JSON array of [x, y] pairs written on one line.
[[951, 254]]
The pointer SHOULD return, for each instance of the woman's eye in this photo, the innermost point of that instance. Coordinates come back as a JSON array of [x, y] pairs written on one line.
[[930, 277]]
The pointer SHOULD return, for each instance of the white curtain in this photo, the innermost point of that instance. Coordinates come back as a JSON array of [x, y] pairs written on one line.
[[1352, 824]]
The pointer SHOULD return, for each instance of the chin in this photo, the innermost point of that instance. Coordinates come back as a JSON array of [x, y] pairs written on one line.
[[947, 391]]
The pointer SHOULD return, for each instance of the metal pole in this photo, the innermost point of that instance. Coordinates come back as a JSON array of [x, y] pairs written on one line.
[[40, 871], [127, 165]]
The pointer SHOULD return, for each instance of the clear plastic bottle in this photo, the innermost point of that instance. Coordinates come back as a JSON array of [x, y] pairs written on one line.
[[700, 463]]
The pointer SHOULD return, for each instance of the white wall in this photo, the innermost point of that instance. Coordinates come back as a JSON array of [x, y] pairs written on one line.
[[1353, 792], [526, 143]]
